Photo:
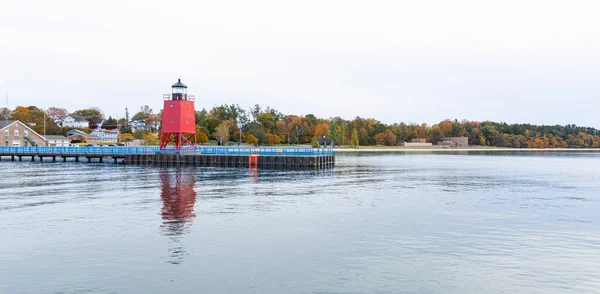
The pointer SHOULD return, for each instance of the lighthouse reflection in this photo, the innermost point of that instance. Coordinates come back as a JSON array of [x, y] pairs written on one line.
[[178, 197]]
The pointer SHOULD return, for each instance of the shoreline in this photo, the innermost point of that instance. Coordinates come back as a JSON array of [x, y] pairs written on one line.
[[464, 149]]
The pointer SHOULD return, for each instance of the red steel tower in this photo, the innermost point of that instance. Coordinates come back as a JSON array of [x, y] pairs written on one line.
[[179, 120]]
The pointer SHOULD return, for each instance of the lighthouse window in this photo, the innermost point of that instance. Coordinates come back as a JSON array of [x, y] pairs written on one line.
[[171, 104], [187, 122], [171, 121]]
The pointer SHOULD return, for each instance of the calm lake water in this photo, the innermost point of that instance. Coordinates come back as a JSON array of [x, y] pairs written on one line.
[[391, 223]]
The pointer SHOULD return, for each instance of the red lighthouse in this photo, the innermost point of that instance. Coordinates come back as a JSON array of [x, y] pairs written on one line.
[[179, 120]]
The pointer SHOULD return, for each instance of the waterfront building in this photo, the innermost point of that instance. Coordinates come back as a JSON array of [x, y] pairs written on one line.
[[138, 124], [14, 133], [57, 140], [106, 135], [75, 122], [96, 124], [454, 141], [416, 142], [83, 137]]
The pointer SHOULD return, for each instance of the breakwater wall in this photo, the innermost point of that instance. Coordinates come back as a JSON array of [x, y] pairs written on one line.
[[281, 158], [279, 162]]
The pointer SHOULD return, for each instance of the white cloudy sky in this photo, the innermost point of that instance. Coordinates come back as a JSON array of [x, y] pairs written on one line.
[[412, 61]]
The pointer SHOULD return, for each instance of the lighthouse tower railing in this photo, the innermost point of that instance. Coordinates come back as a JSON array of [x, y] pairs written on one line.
[[184, 97]]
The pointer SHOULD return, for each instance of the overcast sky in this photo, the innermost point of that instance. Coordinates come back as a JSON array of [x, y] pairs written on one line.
[[411, 61]]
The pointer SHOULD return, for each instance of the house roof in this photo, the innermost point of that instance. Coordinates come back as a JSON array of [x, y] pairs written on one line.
[[78, 119], [6, 123], [76, 132], [87, 136], [55, 137]]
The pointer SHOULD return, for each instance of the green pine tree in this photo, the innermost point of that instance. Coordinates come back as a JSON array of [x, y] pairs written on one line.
[[315, 142], [354, 138]]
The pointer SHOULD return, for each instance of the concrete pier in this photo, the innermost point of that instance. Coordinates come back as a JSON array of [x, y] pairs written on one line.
[[276, 158], [279, 162]]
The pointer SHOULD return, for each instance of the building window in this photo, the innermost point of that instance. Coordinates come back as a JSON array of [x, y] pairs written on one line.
[[6, 134], [16, 133], [171, 104], [25, 133]]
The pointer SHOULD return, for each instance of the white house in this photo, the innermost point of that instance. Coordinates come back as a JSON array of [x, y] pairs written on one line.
[[58, 141], [138, 124], [105, 135], [75, 122]]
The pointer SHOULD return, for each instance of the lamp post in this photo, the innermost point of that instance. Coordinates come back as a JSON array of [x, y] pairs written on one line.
[[240, 127]]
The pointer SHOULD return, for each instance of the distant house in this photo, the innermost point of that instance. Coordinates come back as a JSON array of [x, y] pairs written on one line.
[[106, 135], [77, 135], [75, 122], [417, 142], [138, 124], [454, 141], [325, 142], [96, 124], [58, 141], [14, 133]]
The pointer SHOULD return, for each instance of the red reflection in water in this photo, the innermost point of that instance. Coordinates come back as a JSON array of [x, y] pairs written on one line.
[[178, 195], [253, 173]]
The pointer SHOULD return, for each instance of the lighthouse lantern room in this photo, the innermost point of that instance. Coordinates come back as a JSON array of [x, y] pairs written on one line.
[[179, 121]]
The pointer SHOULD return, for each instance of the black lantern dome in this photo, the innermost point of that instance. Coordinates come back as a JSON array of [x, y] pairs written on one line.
[[179, 90]]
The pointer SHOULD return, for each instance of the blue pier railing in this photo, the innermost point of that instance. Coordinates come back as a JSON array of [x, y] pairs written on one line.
[[122, 151]]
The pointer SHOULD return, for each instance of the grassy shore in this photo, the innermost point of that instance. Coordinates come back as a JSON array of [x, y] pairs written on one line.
[[454, 149]]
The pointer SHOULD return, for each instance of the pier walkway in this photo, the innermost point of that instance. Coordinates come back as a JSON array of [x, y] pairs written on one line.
[[202, 156]]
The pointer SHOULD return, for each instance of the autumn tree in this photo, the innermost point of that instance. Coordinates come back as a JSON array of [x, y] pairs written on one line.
[[88, 114], [251, 139], [273, 139], [211, 123], [390, 138], [201, 138], [222, 133], [21, 114], [436, 135], [125, 138], [153, 121], [380, 139], [144, 113], [4, 113], [322, 130], [150, 139], [284, 130], [57, 114], [266, 120]]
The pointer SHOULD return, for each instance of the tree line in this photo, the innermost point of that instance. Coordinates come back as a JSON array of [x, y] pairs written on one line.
[[268, 126]]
